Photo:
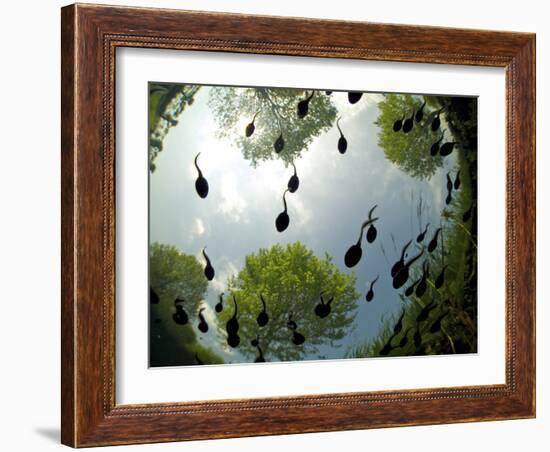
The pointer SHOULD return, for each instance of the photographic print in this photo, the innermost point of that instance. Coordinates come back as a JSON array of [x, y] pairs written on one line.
[[292, 224]]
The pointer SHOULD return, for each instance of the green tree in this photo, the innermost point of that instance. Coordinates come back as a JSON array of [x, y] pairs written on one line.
[[290, 279], [173, 274], [276, 115], [166, 103], [409, 151]]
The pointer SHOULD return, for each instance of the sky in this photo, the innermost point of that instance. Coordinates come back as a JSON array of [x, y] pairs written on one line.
[[335, 195]]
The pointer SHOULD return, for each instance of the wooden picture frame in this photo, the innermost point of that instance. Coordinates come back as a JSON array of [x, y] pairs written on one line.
[[90, 36]]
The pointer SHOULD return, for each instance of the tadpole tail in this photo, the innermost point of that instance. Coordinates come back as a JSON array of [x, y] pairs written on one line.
[[196, 164], [206, 256]]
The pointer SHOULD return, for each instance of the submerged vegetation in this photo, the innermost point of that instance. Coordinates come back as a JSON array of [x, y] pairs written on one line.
[[442, 318], [451, 325]]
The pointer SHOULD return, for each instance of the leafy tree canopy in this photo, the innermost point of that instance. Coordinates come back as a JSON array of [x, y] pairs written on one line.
[[290, 279], [276, 111], [409, 151], [166, 103], [172, 275]]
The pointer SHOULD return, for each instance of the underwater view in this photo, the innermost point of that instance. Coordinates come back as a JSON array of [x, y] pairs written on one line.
[[292, 224]]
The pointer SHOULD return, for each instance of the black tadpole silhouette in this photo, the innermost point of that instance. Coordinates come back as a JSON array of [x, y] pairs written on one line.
[[420, 113], [385, 351], [297, 338], [208, 269], [303, 106], [425, 312], [232, 328], [201, 184], [398, 124], [440, 280], [354, 97], [420, 237], [180, 316], [401, 262], [256, 343], [449, 197], [371, 231], [342, 142], [262, 318], [423, 283], [198, 360], [354, 253], [433, 242], [370, 293], [402, 275], [408, 124], [282, 220], [447, 148], [399, 325], [457, 181], [260, 358], [410, 290], [294, 181], [436, 121], [434, 150], [251, 127], [153, 296], [436, 326], [417, 338], [396, 330], [323, 309], [279, 143], [219, 305], [203, 326], [328, 93], [405, 338], [449, 183], [468, 214]]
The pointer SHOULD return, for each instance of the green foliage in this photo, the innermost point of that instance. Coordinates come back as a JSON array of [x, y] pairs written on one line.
[[234, 108], [172, 275], [461, 118], [409, 151], [290, 279], [166, 103], [458, 296]]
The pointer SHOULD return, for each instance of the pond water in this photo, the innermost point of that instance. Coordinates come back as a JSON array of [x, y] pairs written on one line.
[[336, 192]]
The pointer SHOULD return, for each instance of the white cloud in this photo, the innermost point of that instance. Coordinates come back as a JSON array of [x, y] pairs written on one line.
[[232, 203], [225, 269], [198, 228], [348, 111], [299, 211]]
